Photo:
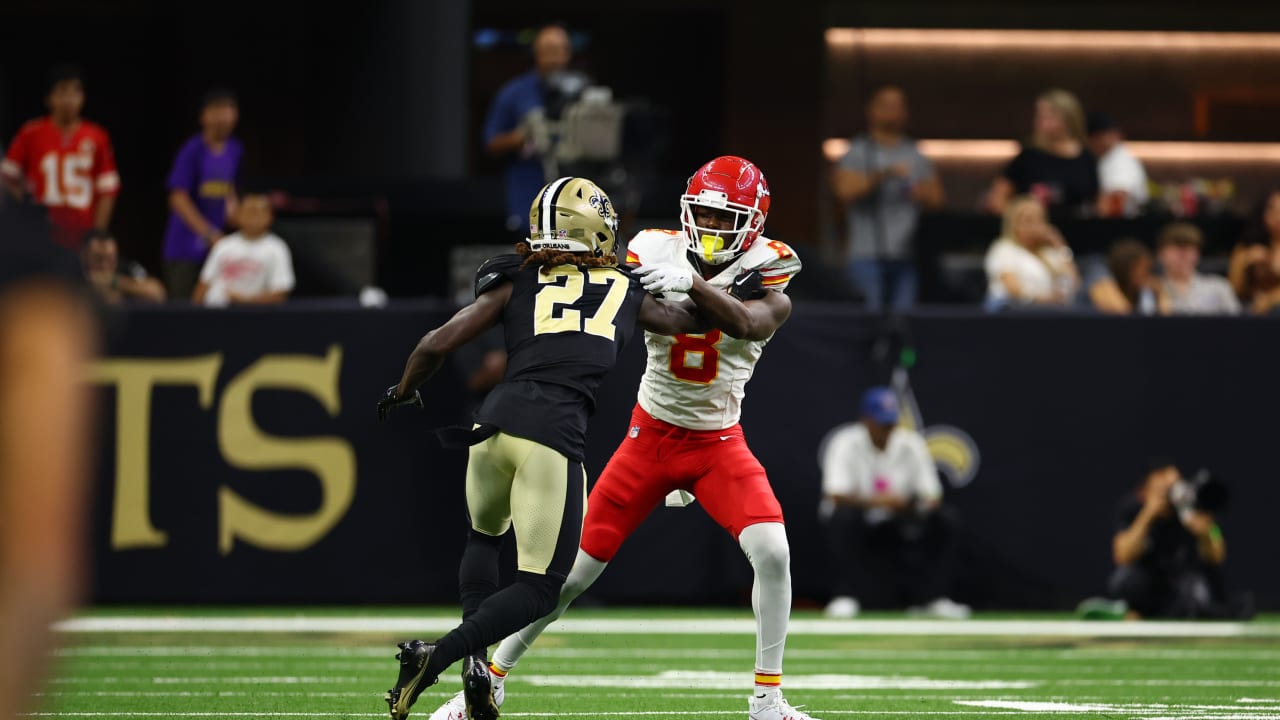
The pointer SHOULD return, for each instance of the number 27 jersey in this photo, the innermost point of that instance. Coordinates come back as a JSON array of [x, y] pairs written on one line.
[[697, 382], [564, 329]]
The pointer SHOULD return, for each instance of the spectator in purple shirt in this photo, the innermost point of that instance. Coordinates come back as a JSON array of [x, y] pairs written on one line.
[[202, 192]]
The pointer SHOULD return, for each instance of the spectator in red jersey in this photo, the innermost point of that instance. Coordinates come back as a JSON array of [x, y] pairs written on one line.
[[65, 163]]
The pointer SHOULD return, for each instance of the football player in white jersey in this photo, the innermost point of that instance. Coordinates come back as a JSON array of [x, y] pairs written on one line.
[[684, 438]]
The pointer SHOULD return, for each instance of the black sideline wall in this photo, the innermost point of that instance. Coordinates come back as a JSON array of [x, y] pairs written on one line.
[[242, 462]]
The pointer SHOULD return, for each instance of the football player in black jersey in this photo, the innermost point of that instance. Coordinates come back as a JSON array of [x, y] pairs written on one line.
[[567, 309]]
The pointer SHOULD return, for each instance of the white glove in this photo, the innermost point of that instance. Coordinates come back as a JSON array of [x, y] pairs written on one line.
[[661, 278]]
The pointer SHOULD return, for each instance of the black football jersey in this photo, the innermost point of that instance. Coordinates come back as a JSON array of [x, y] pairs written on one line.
[[564, 329]]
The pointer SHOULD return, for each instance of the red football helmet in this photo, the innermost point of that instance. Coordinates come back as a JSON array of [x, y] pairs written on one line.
[[731, 185]]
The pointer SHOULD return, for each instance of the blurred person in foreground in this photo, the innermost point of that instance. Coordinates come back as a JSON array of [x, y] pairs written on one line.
[[506, 134], [882, 508], [1168, 547], [249, 267], [1055, 165], [65, 163], [202, 191], [116, 280], [46, 338], [1255, 262], [884, 182], [1029, 265], [1129, 285], [1122, 181], [1188, 291]]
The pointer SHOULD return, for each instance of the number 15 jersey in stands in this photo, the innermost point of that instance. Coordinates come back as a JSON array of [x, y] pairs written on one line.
[[697, 382], [66, 172], [564, 329]]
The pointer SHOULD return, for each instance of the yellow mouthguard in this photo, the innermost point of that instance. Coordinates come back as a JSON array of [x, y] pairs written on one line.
[[710, 245]]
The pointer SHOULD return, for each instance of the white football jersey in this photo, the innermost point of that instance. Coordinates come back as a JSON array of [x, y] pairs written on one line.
[[698, 381]]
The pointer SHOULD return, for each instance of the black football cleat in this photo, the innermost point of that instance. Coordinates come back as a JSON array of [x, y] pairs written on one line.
[[413, 658], [477, 689]]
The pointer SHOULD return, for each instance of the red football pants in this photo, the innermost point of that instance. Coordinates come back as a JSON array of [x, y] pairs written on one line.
[[656, 458]]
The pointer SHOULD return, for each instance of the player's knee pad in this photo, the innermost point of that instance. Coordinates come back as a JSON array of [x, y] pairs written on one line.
[[601, 541], [543, 591], [765, 545]]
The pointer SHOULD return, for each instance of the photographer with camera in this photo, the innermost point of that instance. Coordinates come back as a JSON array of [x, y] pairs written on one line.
[[510, 131], [882, 509], [1168, 547]]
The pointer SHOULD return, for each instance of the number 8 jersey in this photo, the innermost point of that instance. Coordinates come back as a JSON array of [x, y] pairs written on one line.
[[697, 382]]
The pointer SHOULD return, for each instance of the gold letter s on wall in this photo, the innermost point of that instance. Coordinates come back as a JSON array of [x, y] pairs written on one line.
[[245, 446]]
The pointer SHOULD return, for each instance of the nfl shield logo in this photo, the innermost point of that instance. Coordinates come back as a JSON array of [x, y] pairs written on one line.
[[635, 432]]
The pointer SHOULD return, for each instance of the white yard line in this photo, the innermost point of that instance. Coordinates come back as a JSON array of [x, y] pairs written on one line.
[[645, 626], [699, 680], [1022, 709], [1018, 656]]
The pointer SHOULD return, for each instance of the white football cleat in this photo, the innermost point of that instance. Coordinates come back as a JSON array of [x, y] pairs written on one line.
[[455, 708], [775, 707]]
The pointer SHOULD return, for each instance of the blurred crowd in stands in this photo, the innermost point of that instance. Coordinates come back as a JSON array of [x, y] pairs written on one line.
[[1072, 165], [218, 248], [62, 169]]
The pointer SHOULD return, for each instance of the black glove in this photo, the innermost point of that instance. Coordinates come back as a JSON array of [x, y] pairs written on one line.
[[390, 400], [748, 286]]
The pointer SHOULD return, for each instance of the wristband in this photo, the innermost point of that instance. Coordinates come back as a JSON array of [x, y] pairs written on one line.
[[1215, 533]]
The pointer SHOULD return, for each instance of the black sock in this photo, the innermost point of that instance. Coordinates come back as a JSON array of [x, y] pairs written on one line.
[[506, 611], [478, 572]]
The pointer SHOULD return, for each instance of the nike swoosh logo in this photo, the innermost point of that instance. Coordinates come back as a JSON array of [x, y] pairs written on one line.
[[726, 437], [743, 280]]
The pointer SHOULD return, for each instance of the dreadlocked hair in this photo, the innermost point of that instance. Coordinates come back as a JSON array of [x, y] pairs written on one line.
[[547, 259]]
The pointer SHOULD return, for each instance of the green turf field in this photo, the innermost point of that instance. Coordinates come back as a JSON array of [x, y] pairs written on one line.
[[696, 664]]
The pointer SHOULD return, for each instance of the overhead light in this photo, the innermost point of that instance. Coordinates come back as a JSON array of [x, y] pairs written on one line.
[[1147, 151], [1057, 41]]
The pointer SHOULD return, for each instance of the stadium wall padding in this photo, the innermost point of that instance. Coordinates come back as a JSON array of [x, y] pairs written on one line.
[[241, 460]]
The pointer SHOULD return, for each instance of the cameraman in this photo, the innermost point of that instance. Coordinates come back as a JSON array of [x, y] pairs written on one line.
[[506, 132], [1168, 558], [882, 508]]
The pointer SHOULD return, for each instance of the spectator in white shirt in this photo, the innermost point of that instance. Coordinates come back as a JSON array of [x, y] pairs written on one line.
[[882, 509], [250, 267], [1121, 178], [1190, 292], [1030, 264]]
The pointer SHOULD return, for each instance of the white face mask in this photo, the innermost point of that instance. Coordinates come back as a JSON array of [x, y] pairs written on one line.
[[717, 246]]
